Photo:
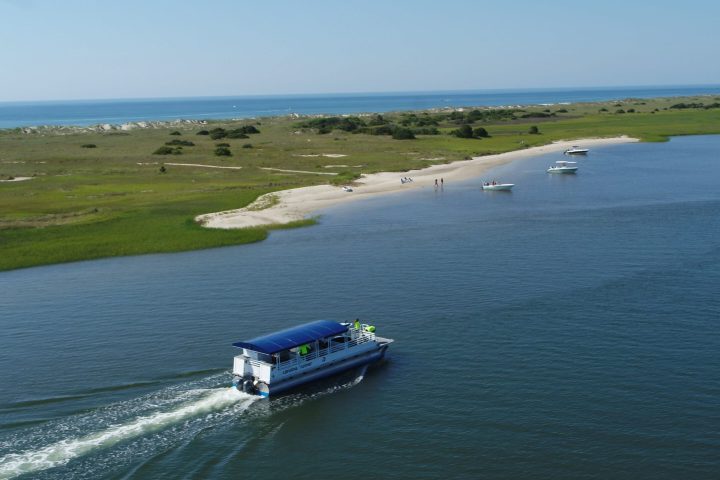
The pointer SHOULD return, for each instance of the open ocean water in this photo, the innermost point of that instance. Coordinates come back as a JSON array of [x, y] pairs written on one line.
[[569, 329], [91, 112]]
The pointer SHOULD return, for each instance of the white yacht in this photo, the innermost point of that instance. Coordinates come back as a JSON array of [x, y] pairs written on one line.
[[274, 363], [563, 166], [575, 150], [497, 186]]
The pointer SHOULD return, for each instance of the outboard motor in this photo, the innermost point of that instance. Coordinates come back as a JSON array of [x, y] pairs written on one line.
[[248, 387]]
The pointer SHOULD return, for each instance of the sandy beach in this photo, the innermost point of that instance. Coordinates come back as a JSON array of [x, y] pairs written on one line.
[[300, 203]]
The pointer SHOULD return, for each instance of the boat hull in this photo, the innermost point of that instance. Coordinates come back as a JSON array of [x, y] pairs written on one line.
[[335, 368], [562, 170], [501, 187]]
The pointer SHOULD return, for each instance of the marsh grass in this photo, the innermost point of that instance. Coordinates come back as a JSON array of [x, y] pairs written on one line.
[[86, 203]]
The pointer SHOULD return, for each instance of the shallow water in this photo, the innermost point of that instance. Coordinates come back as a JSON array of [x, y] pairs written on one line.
[[568, 329]]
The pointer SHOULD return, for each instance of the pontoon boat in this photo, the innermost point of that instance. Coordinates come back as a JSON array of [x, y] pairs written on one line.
[[277, 362]]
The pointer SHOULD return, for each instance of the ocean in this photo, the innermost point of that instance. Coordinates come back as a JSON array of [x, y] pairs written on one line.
[[567, 329], [92, 112]]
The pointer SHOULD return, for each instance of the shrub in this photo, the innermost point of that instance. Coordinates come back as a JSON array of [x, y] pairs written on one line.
[[603, 110], [377, 120], [249, 129], [534, 130], [203, 132], [537, 115], [403, 134], [227, 145], [465, 131], [236, 134], [164, 151], [562, 110], [175, 133], [223, 152], [619, 110], [163, 169], [88, 145], [218, 134], [249, 145], [631, 110], [184, 143], [480, 132]]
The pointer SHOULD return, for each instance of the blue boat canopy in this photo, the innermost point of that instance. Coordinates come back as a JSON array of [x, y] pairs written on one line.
[[293, 337]]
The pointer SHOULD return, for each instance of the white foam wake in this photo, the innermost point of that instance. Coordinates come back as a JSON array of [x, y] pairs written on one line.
[[61, 452]]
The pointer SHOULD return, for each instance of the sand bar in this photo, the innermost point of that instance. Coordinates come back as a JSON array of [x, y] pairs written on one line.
[[299, 203]]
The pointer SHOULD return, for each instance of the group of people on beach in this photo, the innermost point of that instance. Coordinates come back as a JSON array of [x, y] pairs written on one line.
[[442, 183], [405, 180]]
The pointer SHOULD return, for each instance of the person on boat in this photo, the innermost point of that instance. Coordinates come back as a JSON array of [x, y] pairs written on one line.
[[304, 349], [357, 324]]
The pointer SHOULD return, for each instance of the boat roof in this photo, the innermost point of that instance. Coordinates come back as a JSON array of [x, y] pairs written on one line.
[[293, 337], [563, 162]]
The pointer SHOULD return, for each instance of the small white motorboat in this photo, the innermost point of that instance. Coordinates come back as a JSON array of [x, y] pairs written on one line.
[[575, 150], [494, 186], [347, 189], [563, 166]]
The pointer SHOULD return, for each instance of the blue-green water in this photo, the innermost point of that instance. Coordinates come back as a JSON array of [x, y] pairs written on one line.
[[569, 329]]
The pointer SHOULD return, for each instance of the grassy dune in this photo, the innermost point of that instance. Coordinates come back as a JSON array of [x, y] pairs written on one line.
[[84, 203]]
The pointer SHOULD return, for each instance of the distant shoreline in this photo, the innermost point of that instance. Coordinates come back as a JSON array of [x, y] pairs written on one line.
[[79, 114], [287, 206]]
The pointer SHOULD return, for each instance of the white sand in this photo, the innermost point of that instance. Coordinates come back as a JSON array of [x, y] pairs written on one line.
[[299, 203], [201, 165], [17, 179], [296, 171]]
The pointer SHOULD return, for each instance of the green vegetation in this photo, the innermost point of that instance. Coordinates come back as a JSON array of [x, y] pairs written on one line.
[[119, 199], [88, 145], [168, 151], [183, 143], [534, 130], [223, 152]]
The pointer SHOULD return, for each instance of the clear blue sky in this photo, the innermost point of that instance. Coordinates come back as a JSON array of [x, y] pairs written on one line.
[[78, 49]]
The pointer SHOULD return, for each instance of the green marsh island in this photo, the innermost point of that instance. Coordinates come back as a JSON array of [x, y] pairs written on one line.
[[78, 193]]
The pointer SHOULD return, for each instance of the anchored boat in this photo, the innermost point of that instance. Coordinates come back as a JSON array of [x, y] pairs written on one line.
[[274, 363], [575, 150], [497, 186], [563, 166]]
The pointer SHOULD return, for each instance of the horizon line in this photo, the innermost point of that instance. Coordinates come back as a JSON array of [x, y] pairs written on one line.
[[383, 92]]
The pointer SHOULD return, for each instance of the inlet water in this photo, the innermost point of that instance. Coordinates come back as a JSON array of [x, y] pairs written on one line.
[[568, 329]]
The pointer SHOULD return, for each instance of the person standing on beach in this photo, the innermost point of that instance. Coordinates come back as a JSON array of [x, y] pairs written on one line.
[[441, 182], [436, 183]]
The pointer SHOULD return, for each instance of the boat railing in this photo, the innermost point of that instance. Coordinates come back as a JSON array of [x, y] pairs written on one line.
[[357, 337]]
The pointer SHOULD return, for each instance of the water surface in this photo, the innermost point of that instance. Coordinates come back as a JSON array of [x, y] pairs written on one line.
[[568, 329]]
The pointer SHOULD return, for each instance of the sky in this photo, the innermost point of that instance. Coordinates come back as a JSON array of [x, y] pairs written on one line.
[[87, 49]]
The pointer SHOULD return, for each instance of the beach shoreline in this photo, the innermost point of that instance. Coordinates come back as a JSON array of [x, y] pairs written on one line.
[[287, 206]]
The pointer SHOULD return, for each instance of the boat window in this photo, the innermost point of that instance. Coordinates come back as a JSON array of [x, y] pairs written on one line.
[[263, 357], [340, 339]]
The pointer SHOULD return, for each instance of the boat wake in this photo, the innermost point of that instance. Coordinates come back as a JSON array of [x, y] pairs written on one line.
[[194, 404], [89, 445]]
